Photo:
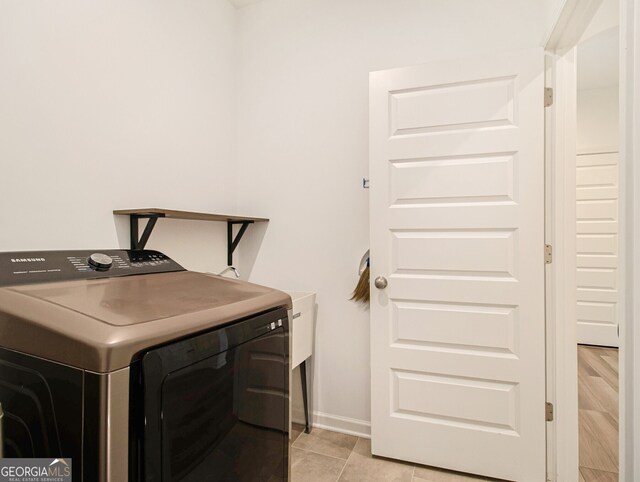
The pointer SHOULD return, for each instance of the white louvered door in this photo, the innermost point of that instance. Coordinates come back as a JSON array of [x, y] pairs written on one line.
[[597, 245], [457, 231]]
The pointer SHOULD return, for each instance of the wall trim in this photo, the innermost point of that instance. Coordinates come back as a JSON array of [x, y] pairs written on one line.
[[346, 425]]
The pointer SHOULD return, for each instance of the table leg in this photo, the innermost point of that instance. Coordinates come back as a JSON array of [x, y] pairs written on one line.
[[305, 401]]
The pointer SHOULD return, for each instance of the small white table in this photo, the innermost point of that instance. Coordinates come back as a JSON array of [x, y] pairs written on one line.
[[302, 340]]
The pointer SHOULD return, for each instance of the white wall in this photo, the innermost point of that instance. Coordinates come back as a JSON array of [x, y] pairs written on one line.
[[607, 17], [115, 104], [302, 146], [598, 68], [598, 120]]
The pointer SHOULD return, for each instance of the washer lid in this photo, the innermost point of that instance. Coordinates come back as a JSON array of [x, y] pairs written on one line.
[[101, 324], [141, 299]]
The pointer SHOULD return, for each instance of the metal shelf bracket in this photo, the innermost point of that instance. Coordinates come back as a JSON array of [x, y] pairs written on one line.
[[232, 243], [141, 242]]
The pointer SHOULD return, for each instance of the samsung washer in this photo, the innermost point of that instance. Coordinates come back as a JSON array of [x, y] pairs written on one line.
[[138, 370]]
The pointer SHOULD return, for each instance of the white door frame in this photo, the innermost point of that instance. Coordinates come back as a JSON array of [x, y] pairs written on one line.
[[562, 435], [629, 149], [562, 357]]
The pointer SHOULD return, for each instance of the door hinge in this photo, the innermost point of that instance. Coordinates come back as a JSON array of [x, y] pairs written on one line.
[[548, 254], [548, 96], [548, 412]]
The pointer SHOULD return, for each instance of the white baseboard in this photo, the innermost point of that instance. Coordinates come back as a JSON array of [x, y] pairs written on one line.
[[335, 423]]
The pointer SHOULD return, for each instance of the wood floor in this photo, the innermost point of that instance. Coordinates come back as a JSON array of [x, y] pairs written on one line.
[[598, 413]]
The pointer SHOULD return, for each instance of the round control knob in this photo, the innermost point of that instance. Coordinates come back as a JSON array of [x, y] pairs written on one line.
[[380, 282], [100, 261]]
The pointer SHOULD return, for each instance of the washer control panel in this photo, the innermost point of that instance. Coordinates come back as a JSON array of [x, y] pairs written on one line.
[[18, 268]]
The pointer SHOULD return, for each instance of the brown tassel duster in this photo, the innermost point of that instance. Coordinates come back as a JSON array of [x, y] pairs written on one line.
[[361, 293]]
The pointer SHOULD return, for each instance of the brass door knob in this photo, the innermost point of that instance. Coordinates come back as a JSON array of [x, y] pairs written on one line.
[[381, 282]]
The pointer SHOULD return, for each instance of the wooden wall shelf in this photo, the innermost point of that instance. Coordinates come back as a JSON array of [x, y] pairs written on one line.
[[153, 214]]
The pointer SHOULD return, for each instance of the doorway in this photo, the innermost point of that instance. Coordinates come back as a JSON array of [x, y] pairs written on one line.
[[586, 203], [599, 248]]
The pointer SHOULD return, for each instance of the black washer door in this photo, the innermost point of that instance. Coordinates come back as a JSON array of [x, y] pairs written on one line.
[[216, 405]]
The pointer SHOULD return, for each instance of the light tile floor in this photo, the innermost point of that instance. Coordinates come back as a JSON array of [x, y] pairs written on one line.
[[324, 456]]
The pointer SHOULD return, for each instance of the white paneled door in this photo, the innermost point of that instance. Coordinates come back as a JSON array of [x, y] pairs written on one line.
[[597, 246], [457, 236]]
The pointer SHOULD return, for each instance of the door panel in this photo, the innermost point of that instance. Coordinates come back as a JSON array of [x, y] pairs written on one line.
[[454, 326], [453, 253], [597, 210], [457, 217], [462, 401], [428, 109], [597, 248], [450, 180]]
